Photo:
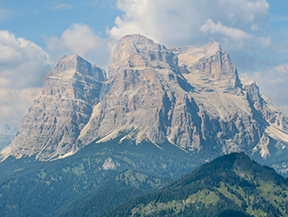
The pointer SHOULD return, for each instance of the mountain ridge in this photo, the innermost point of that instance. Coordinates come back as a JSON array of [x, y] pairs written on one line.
[[192, 97]]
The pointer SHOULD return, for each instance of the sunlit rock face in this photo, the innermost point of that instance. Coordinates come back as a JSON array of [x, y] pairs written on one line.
[[191, 97], [57, 117]]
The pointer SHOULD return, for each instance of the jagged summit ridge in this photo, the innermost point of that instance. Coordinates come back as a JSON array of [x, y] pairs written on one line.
[[137, 51], [209, 61], [73, 75], [67, 66], [192, 104], [190, 96]]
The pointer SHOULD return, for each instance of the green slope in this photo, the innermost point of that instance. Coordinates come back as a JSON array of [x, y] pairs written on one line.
[[113, 192], [231, 185], [29, 188]]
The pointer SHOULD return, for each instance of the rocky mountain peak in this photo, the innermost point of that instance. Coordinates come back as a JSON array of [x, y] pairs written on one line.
[[190, 97], [209, 60], [69, 65], [66, 63], [212, 47], [73, 77], [137, 52]]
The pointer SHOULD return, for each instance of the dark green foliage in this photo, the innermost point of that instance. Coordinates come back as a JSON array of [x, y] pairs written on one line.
[[79, 186], [100, 201], [213, 177]]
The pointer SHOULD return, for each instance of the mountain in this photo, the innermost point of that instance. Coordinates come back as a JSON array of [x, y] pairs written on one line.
[[7, 130], [7, 134], [54, 122], [190, 97], [231, 185]]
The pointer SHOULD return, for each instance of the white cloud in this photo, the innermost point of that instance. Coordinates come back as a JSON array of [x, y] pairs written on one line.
[[80, 39], [14, 104], [237, 34], [63, 6], [23, 67], [282, 70], [22, 63], [178, 22], [246, 13]]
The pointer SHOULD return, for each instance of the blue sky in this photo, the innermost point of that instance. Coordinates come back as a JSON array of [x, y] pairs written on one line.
[[31, 19], [34, 34]]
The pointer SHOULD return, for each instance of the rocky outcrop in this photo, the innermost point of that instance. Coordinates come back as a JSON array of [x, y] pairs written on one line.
[[190, 96]]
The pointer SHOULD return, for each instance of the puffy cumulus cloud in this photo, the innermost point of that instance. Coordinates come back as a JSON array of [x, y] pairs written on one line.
[[212, 27], [23, 64], [179, 22], [14, 104], [80, 39], [274, 83], [245, 14], [236, 24], [239, 36], [23, 67]]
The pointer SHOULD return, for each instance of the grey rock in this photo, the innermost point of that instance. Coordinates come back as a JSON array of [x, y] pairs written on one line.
[[194, 99], [54, 122], [190, 96]]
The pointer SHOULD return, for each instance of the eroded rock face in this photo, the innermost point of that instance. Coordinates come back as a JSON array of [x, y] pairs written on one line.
[[57, 117], [190, 96]]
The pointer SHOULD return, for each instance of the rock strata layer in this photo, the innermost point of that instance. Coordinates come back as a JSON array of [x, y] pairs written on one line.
[[54, 122]]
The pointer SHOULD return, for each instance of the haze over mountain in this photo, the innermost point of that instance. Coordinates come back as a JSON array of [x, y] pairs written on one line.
[[190, 97], [7, 134]]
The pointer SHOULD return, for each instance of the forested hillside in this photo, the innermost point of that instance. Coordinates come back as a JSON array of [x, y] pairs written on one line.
[[232, 185]]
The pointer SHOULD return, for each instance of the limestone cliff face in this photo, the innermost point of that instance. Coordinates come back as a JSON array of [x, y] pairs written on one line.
[[190, 96], [57, 117]]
